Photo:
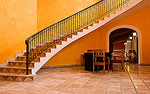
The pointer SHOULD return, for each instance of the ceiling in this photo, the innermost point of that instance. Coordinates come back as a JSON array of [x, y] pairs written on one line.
[[121, 34]]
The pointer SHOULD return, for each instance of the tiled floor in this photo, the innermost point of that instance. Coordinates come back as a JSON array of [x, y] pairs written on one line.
[[75, 80]]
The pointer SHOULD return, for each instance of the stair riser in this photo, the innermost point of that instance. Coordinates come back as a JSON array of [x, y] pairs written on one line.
[[54, 46], [41, 55], [21, 58], [51, 46], [24, 59], [36, 60], [97, 21], [12, 70], [101, 18], [48, 50], [20, 64], [16, 78], [80, 30], [40, 46], [85, 27], [64, 39], [57, 42], [35, 50], [69, 36], [107, 15], [44, 45], [25, 54], [75, 33]]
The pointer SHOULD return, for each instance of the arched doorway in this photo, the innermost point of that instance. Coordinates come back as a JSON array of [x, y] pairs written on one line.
[[139, 39], [126, 40]]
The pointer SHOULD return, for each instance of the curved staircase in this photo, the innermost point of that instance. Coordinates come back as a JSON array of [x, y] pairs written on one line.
[[16, 69]]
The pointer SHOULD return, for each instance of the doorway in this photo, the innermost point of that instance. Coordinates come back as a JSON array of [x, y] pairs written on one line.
[[126, 40]]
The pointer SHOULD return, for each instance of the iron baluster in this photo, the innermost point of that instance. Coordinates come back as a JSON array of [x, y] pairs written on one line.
[[27, 57], [55, 33]]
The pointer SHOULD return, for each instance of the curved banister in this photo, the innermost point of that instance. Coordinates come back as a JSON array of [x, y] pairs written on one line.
[[52, 35], [63, 19]]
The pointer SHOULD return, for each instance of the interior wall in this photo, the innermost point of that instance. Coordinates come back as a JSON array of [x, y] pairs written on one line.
[[18, 20], [72, 53], [52, 11], [117, 47]]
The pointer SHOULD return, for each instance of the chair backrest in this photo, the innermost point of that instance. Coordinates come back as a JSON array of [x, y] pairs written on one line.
[[98, 53], [118, 56]]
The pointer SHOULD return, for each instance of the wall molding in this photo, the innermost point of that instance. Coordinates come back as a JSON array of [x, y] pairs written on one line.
[[61, 66]]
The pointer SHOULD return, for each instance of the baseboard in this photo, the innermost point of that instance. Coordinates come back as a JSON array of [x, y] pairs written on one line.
[[61, 66], [3, 64]]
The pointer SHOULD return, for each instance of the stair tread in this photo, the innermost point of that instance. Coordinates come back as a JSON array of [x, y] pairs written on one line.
[[15, 67], [20, 61], [15, 74], [29, 56], [21, 56]]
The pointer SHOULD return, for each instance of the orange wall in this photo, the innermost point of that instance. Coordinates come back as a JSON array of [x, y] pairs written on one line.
[[18, 20], [118, 46], [52, 11], [97, 39], [72, 53]]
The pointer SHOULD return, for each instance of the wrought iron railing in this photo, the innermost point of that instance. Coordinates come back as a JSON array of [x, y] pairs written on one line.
[[43, 40]]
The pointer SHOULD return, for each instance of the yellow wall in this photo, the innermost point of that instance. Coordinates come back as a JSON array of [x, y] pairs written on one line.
[[71, 54], [52, 11], [18, 20], [97, 39]]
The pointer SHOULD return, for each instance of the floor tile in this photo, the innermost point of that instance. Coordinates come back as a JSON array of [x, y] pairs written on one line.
[[75, 80]]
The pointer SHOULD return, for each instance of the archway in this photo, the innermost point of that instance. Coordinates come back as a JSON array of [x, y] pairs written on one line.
[[125, 38]]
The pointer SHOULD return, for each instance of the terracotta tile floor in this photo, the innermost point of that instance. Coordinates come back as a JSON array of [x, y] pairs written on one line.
[[75, 80]]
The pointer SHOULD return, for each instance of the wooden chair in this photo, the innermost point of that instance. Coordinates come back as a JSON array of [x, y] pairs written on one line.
[[118, 59], [100, 59]]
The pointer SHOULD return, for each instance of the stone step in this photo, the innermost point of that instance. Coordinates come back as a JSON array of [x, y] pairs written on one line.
[[16, 77], [23, 58], [20, 63], [41, 55], [14, 69]]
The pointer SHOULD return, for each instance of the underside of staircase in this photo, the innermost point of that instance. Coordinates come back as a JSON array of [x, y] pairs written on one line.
[[15, 69]]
